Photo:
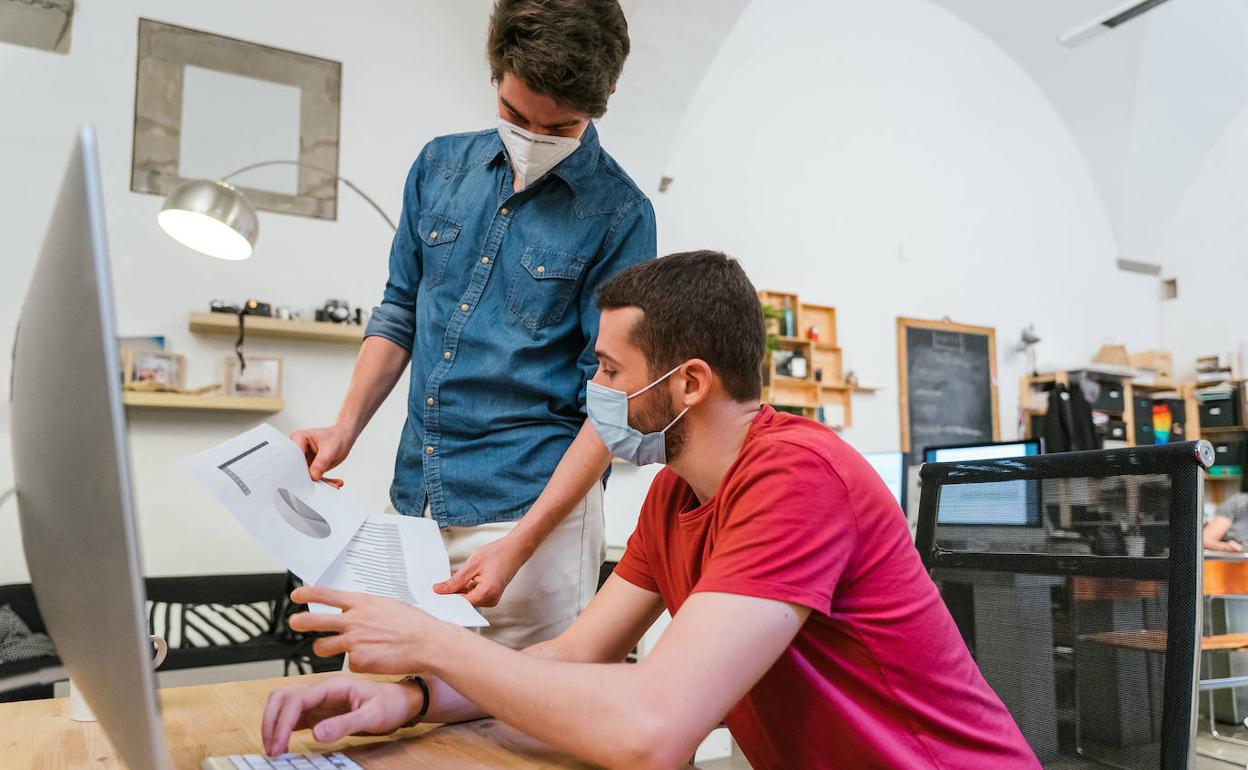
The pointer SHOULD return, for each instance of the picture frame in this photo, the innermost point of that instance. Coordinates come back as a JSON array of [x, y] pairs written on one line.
[[152, 368], [169, 54], [261, 379]]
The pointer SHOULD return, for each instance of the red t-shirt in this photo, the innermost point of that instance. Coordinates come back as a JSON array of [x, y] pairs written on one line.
[[878, 676]]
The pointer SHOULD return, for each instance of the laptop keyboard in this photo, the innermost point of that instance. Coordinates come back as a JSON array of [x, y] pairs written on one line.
[[293, 762]]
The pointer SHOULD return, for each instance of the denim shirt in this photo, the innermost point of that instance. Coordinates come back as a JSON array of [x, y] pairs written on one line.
[[493, 292]]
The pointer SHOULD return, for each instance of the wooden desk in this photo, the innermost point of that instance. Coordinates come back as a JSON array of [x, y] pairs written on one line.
[[215, 719]]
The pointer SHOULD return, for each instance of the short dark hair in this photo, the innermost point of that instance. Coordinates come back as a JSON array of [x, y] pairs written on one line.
[[696, 304], [570, 50]]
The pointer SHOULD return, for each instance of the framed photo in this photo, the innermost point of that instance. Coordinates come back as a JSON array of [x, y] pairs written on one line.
[[262, 378], [153, 369]]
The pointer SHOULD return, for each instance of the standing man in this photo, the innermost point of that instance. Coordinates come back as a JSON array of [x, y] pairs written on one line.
[[504, 239]]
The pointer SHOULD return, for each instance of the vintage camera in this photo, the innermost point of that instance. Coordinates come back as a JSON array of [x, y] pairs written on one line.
[[221, 306], [335, 311], [256, 307]]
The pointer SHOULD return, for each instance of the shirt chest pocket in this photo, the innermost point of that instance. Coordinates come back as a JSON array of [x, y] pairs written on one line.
[[438, 234], [543, 285]]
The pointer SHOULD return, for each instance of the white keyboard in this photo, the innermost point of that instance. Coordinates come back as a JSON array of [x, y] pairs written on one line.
[[282, 762]]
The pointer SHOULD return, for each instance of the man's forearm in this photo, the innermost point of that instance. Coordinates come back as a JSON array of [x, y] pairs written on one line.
[[580, 468], [602, 712], [446, 705], [378, 367]]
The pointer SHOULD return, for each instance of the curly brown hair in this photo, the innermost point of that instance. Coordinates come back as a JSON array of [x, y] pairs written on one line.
[[570, 50]]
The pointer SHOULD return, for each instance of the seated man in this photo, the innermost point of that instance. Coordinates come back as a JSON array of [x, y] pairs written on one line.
[[1228, 529], [802, 615]]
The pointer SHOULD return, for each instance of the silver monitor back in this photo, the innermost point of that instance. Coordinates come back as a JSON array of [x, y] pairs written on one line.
[[72, 469]]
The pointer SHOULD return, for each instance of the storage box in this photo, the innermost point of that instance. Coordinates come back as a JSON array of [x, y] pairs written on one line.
[[1218, 413], [1116, 430], [1104, 394], [1114, 355], [1159, 362], [1228, 453], [1142, 412]]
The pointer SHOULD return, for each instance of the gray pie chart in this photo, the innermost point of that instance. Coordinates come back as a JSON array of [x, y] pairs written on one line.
[[300, 515]]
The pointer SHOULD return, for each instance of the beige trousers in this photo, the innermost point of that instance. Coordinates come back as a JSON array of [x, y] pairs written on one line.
[[553, 586]]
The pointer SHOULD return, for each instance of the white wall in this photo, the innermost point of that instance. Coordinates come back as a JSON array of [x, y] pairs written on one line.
[[1193, 131], [888, 159], [411, 71], [1205, 248], [898, 162]]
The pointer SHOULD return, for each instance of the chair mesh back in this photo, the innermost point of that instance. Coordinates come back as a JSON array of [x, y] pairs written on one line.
[[1074, 579]]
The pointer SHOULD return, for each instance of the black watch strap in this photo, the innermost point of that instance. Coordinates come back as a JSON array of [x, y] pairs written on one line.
[[424, 706]]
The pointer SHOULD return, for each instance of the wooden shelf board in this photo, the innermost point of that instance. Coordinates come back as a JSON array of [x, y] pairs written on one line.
[[206, 403], [791, 341], [795, 405], [259, 326], [1224, 429]]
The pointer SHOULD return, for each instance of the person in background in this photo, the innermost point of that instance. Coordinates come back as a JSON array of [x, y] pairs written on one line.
[[801, 613], [1228, 529], [505, 236]]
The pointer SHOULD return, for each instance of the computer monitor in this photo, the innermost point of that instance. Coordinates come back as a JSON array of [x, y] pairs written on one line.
[[892, 469], [72, 471], [995, 450], [1008, 504]]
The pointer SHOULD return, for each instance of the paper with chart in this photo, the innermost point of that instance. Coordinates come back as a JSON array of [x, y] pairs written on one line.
[[262, 478], [400, 557], [322, 535]]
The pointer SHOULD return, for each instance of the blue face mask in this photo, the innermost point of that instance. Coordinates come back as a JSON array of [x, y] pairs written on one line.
[[608, 413]]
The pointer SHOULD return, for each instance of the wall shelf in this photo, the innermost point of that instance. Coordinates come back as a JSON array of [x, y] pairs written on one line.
[[823, 393], [184, 401], [259, 326]]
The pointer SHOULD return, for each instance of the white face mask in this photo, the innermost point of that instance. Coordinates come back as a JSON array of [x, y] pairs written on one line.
[[608, 413], [532, 155]]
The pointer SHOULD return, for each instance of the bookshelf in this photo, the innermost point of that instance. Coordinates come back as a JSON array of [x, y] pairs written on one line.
[[822, 389]]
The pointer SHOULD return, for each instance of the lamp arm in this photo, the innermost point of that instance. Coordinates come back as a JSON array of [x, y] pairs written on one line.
[[344, 180]]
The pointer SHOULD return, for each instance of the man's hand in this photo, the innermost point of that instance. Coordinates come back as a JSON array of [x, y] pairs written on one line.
[[486, 573], [325, 449], [381, 635], [335, 708]]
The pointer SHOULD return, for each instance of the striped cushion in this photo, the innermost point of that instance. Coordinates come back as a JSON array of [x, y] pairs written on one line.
[[209, 625]]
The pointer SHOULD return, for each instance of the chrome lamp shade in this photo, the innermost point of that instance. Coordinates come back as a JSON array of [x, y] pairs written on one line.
[[213, 218]]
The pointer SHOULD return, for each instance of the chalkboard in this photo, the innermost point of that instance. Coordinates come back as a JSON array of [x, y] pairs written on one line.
[[948, 392]]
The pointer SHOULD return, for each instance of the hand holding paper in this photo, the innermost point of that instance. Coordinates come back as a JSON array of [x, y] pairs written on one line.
[[322, 535]]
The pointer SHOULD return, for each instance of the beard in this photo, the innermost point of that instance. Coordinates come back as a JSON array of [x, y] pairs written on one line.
[[655, 414]]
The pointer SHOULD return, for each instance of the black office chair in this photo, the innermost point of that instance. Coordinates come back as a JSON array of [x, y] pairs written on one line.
[[1090, 640]]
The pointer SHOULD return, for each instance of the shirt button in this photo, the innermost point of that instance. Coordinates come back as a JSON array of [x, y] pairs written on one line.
[[428, 450], [429, 401], [485, 260], [464, 308], [433, 233], [447, 355], [541, 269], [504, 211]]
